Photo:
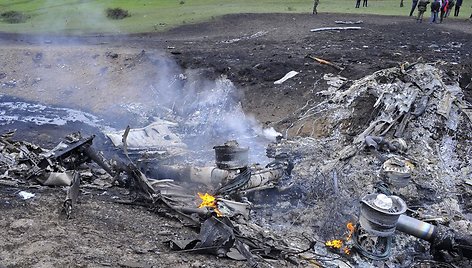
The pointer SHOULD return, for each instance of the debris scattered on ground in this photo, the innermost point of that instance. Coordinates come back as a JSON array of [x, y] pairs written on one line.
[[322, 61], [348, 22], [26, 195], [350, 28], [411, 107], [306, 218], [286, 77], [405, 146]]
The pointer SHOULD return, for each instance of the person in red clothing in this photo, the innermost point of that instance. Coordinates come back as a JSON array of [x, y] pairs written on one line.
[[450, 6], [444, 7]]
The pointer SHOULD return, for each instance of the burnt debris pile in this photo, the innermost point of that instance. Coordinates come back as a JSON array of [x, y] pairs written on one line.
[[403, 132], [379, 171]]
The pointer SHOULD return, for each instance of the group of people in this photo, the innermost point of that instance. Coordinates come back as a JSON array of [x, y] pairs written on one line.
[[358, 3], [440, 9]]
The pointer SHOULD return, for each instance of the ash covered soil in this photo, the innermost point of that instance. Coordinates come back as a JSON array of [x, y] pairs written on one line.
[[117, 78]]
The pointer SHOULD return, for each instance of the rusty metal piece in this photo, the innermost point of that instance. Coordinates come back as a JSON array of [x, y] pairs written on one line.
[[322, 61]]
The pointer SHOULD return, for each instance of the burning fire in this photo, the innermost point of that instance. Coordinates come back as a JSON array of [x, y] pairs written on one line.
[[338, 243], [351, 229], [209, 201], [334, 243]]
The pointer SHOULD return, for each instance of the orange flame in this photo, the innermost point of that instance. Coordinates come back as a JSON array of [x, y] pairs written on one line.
[[209, 201], [346, 250], [334, 243], [338, 243], [351, 229]]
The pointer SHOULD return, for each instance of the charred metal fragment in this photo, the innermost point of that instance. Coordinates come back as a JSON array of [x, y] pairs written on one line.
[[216, 237], [401, 127], [62, 154], [231, 155], [379, 220], [237, 183], [72, 195], [382, 144], [379, 213], [250, 258]]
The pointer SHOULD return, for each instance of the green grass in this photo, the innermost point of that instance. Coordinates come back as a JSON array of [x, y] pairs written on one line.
[[88, 16]]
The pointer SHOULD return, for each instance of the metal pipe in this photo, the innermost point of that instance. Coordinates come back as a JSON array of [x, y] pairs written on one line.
[[90, 152], [210, 176], [416, 228], [260, 178]]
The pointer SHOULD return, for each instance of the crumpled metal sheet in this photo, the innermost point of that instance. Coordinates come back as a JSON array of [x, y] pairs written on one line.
[[215, 237], [58, 179], [400, 93], [156, 135]]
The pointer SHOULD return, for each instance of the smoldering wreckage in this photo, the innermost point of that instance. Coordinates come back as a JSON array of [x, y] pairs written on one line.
[[384, 178]]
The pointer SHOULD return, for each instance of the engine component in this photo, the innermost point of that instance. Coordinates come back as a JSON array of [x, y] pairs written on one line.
[[231, 156], [379, 213]]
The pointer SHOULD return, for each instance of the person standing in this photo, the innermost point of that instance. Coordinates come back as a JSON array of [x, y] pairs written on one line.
[[458, 7], [364, 3], [450, 6], [358, 3], [413, 7], [315, 5], [445, 4], [422, 4], [435, 7]]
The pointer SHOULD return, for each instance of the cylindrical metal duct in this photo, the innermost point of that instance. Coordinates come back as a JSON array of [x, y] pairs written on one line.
[[260, 178], [416, 228], [379, 213], [210, 176], [231, 156]]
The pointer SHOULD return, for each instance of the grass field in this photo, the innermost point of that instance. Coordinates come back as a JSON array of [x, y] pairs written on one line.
[[87, 16]]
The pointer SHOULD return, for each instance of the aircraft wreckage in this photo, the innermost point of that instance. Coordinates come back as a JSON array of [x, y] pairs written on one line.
[[389, 140]]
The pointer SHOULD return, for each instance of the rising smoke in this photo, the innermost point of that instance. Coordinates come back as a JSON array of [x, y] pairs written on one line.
[[209, 112], [127, 89]]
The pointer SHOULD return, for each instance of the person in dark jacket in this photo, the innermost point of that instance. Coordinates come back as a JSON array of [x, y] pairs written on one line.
[[315, 6], [435, 7], [421, 9], [364, 3], [358, 3], [458, 7], [413, 7], [450, 6]]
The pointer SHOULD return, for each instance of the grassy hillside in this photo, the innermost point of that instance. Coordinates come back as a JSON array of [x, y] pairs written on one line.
[[88, 16]]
